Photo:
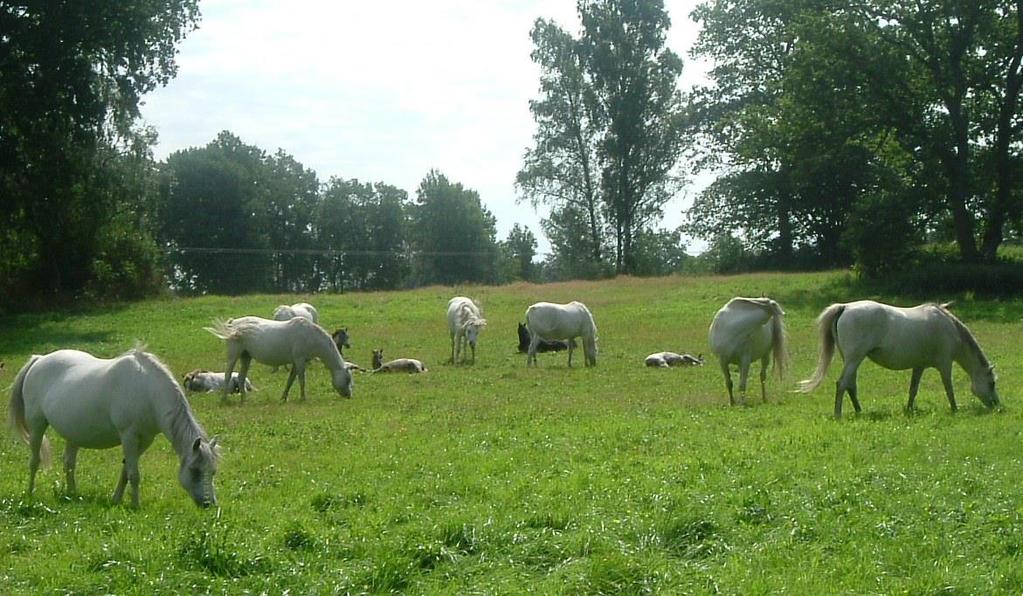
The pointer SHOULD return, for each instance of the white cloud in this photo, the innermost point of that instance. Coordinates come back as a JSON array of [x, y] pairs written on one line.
[[380, 91]]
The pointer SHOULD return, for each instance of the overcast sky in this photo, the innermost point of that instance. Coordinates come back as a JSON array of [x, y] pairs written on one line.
[[379, 90]]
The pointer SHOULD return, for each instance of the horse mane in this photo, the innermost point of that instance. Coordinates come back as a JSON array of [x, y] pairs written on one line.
[[964, 333], [183, 425]]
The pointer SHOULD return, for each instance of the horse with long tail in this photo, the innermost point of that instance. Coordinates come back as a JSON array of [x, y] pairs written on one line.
[[748, 329], [97, 403], [924, 336]]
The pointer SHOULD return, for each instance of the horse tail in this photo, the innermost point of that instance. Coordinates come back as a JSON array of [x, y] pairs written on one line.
[[779, 341], [16, 410], [826, 323], [221, 329]]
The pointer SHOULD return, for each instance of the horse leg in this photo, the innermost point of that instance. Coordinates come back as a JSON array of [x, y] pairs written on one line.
[[134, 447], [763, 378], [243, 373], [473, 346], [35, 445], [452, 348], [744, 364], [946, 380], [847, 382], [728, 381], [70, 459], [129, 470], [914, 386], [301, 379], [121, 483], [570, 350], [534, 341], [232, 357], [291, 379]]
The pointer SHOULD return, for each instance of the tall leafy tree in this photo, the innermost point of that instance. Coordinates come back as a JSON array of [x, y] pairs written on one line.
[[637, 107], [364, 227], [72, 77], [453, 233], [610, 123], [519, 250], [212, 202], [562, 169]]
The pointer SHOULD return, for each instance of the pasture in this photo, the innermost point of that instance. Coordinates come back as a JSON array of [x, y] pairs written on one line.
[[495, 478]]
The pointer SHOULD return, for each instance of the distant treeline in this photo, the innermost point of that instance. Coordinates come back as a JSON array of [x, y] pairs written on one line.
[[848, 133]]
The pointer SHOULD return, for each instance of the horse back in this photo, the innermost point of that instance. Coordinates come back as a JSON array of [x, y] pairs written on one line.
[[895, 337], [741, 325], [89, 400]]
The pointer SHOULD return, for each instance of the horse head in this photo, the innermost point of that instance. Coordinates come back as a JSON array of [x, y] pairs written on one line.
[[378, 358], [982, 383], [342, 381], [472, 330], [197, 470], [341, 338]]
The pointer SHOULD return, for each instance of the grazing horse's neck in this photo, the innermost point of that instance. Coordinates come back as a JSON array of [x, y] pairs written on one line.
[[181, 427], [327, 351]]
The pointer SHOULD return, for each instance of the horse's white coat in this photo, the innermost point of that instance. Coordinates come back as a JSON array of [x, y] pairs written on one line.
[[295, 341], [299, 309], [204, 380], [549, 321], [668, 359], [748, 329], [408, 365], [97, 404], [464, 324], [924, 336]]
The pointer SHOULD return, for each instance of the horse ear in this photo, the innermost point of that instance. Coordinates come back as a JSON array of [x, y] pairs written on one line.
[[213, 443], [196, 444]]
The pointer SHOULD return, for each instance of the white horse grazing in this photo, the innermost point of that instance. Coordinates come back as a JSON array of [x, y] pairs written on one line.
[[98, 404], [669, 359], [548, 321], [464, 323], [295, 341], [299, 309], [204, 380], [914, 338], [748, 329]]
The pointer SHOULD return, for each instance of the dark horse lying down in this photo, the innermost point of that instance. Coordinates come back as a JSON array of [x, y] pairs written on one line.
[[544, 346]]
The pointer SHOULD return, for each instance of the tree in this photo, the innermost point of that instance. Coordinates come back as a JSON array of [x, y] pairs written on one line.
[[610, 123], [72, 77], [562, 169], [453, 234], [966, 58], [364, 226], [519, 250], [212, 203], [637, 107]]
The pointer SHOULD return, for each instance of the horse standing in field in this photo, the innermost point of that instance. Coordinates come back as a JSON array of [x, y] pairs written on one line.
[[748, 329], [549, 321], [97, 404], [295, 341], [544, 345], [299, 309], [407, 365], [464, 324], [924, 336]]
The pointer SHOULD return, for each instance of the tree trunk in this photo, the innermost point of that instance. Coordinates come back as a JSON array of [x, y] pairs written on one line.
[[1001, 202]]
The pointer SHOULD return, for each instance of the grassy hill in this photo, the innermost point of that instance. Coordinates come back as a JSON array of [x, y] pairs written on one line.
[[495, 478]]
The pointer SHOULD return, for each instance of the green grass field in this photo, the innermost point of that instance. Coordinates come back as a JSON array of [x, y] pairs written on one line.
[[495, 478]]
